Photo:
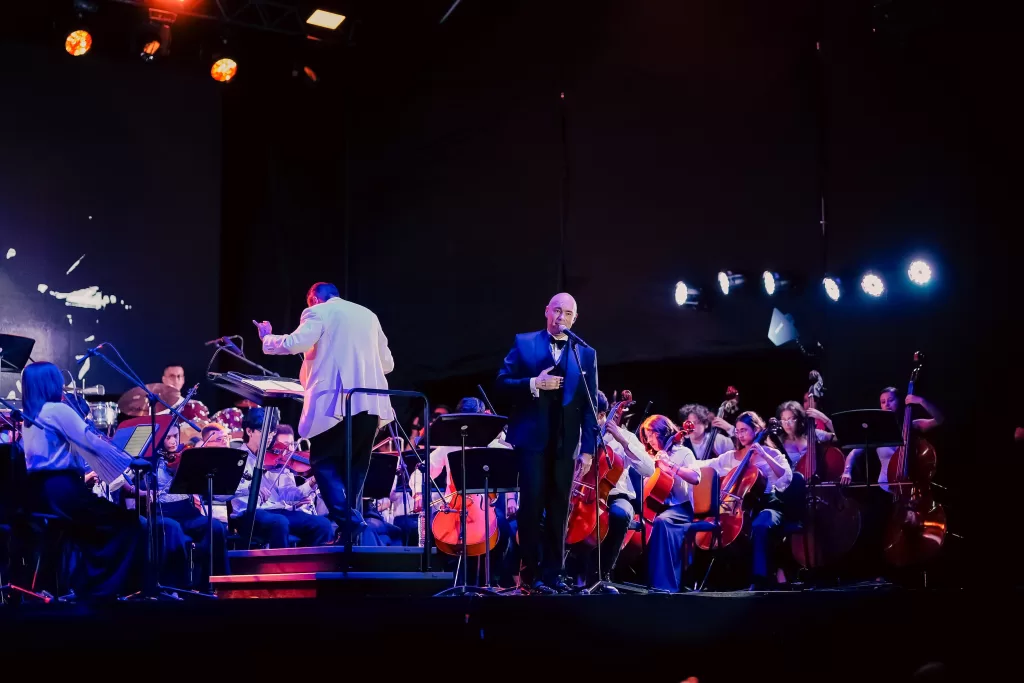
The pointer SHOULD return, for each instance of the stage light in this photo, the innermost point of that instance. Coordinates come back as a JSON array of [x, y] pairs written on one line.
[[153, 38], [920, 273], [686, 296], [325, 19], [769, 282], [872, 285], [78, 42], [727, 280], [224, 69], [832, 288]]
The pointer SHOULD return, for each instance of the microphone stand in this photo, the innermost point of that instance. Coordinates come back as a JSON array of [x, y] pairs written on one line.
[[152, 590], [241, 357]]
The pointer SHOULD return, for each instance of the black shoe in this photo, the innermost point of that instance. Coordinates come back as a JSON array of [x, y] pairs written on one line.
[[540, 588], [608, 590]]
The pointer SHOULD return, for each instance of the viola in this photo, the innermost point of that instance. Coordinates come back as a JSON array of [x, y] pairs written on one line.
[[742, 483], [917, 529], [587, 525]]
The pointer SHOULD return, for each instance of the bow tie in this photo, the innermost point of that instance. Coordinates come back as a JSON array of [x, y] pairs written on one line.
[[559, 343]]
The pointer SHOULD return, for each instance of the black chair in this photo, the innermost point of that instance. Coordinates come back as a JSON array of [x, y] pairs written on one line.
[[706, 517]]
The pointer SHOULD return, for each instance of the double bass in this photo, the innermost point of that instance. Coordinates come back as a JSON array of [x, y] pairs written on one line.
[[583, 518], [831, 519], [744, 482], [917, 528]]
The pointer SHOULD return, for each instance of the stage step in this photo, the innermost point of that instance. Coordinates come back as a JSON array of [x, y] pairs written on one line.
[[327, 584], [329, 559]]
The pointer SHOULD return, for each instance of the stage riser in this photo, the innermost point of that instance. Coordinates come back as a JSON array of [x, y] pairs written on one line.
[[327, 559], [332, 584]]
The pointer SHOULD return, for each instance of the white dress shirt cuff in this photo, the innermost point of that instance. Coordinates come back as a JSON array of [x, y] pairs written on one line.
[[533, 387]]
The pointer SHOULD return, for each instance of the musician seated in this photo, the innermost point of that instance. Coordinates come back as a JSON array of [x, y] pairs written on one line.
[[665, 550], [620, 507], [769, 509], [182, 518], [281, 502], [793, 418], [703, 420]]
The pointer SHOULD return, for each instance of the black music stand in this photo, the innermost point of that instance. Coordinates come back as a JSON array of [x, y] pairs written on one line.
[[487, 470], [209, 472], [15, 353], [466, 430], [867, 429]]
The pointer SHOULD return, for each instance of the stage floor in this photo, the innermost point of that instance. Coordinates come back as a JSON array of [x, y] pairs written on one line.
[[854, 634]]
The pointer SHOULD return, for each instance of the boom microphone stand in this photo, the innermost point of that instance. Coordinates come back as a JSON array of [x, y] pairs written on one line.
[[152, 589]]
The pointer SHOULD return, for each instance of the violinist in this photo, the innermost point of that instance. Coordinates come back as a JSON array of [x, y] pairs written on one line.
[[280, 512], [703, 420], [620, 507], [57, 448], [793, 418], [768, 510], [890, 401], [665, 558], [182, 518]]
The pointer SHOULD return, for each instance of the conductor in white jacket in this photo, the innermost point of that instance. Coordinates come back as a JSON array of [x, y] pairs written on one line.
[[343, 348]]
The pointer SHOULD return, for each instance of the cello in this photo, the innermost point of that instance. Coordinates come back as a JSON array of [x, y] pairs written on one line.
[[657, 489], [831, 520], [728, 407], [741, 483], [917, 528], [447, 525], [583, 524]]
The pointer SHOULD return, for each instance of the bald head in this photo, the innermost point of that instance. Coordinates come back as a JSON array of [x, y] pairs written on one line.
[[561, 310]]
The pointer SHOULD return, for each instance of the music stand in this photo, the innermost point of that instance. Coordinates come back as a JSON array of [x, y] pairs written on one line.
[[867, 429], [209, 472], [487, 470], [15, 353], [466, 430]]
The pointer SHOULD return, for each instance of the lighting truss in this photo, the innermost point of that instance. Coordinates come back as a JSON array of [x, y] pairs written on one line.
[[276, 16]]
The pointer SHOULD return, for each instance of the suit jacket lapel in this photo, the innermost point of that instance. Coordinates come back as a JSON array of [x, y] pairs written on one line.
[[542, 351]]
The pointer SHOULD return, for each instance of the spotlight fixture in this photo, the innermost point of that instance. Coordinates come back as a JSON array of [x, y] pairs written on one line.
[[872, 285], [306, 74], [154, 37], [728, 279], [224, 69], [78, 42], [685, 296], [833, 289], [919, 272], [325, 19]]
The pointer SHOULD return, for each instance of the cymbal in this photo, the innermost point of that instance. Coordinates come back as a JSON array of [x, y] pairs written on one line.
[[166, 393], [135, 401]]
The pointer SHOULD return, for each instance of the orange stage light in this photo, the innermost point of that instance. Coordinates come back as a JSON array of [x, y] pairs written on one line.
[[78, 43], [223, 70]]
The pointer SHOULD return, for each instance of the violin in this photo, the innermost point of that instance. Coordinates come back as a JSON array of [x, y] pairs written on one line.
[[917, 529], [584, 521], [742, 483], [283, 456]]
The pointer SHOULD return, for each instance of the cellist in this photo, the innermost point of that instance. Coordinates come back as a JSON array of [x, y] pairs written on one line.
[[620, 508], [665, 549], [703, 420], [768, 510]]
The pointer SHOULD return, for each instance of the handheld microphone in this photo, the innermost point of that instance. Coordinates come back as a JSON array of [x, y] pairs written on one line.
[[572, 335], [90, 353]]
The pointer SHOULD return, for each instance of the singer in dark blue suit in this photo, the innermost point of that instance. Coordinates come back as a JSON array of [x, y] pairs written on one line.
[[550, 417]]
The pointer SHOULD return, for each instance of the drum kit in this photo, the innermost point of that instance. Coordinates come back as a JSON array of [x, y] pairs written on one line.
[[104, 415]]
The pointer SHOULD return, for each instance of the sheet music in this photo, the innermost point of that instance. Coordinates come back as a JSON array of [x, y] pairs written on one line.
[[271, 385]]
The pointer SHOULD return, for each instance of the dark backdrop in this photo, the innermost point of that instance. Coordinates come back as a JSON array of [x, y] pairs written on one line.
[[118, 162]]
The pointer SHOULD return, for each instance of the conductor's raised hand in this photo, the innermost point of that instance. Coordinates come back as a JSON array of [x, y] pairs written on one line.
[[263, 328], [546, 382]]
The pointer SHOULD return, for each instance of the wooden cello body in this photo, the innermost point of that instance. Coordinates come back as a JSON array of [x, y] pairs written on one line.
[[447, 525], [917, 528]]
